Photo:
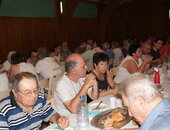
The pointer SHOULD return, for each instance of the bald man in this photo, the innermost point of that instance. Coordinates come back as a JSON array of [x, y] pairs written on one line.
[[146, 47], [73, 84]]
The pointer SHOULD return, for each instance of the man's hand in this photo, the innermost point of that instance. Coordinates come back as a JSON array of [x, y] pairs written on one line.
[[90, 80], [63, 122]]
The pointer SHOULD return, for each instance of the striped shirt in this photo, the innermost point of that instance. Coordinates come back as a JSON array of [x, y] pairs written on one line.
[[13, 117]]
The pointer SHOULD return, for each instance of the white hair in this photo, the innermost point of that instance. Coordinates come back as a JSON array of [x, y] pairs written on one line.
[[139, 85]]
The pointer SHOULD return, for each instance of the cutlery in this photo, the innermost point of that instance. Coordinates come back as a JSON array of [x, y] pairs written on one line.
[[97, 107]]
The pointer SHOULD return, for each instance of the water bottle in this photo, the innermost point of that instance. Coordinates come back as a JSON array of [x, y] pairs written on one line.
[[82, 115], [157, 78]]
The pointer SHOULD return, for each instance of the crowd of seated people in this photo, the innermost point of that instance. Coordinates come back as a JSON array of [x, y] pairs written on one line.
[[85, 72]]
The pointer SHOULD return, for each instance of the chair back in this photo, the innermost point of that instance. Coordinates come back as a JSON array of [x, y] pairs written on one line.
[[4, 94], [44, 85], [53, 81], [113, 71]]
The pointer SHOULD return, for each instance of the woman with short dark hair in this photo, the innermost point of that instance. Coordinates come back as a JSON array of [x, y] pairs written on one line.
[[105, 82]]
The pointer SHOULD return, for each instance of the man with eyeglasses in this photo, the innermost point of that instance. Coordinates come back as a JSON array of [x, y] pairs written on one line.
[[27, 107]]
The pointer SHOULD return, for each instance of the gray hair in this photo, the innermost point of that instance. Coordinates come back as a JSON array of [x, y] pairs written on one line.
[[19, 77], [42, 52], [138, 85], [70, 65]]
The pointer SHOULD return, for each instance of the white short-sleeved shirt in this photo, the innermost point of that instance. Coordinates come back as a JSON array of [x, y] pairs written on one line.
[[118, 53], [88, 57], [27, 67], [65, 90], [123, 73], [4, 82], [6, 65], [48, 67]]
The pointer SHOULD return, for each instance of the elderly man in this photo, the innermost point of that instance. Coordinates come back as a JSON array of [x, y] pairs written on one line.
[[145, 103], [72, 85], [47, 66], [27, 107], [145, 47], [33, 58]]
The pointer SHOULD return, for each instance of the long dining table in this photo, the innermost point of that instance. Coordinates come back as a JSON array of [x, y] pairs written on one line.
[[106, 101]]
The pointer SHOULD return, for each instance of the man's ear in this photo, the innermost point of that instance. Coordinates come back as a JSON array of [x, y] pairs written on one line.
[[14, 92], [140, 102]]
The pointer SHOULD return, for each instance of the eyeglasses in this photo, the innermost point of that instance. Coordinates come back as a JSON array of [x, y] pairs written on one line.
[[29, 93]]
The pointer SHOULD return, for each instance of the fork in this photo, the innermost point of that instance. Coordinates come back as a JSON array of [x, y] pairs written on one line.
[[98, 105]]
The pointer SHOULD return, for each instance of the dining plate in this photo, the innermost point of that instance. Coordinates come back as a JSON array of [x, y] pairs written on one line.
[[92, 107], [99, 120]]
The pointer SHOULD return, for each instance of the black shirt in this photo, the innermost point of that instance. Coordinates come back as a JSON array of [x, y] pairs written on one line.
[[155, 54]]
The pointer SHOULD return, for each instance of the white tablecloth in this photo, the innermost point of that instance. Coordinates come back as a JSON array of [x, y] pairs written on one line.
[[105, 100]]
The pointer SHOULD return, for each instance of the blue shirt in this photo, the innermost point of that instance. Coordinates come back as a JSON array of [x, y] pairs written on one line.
[[159, 118], [13, 117], [110, 53]]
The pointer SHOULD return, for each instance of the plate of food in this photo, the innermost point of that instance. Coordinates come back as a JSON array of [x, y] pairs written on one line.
[[117, 118]]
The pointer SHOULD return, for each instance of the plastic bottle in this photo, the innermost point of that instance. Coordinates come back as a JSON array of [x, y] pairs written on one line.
[[157, 77], [82, 115]]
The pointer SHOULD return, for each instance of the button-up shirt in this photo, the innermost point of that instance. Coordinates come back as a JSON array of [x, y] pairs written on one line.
[[159, 118]]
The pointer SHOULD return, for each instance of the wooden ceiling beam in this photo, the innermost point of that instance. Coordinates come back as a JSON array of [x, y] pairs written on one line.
[[69, 8], [105, 17]]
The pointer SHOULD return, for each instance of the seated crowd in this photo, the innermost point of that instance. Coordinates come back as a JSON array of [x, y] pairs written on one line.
[[85, 72]]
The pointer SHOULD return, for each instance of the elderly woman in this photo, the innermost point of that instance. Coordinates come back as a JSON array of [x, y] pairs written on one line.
[[132, 63], [105, 82]]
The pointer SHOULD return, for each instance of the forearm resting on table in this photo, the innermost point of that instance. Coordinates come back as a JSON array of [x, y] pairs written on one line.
[[107, 92]]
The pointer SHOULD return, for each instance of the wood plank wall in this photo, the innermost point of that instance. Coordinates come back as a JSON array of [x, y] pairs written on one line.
[[139, 18], [26, 34], [136, 19]]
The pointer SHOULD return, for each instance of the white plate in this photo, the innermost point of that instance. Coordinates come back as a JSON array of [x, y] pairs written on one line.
[[101, 107]]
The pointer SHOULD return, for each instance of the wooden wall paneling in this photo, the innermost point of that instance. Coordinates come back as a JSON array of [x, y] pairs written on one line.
[[104, 20], [139, 18], [81, 30], [66, 17]]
